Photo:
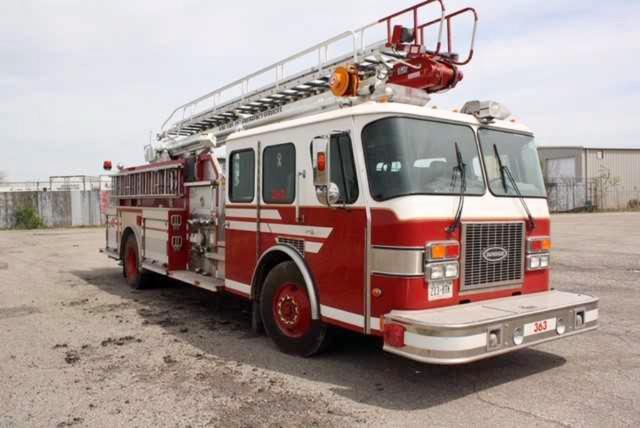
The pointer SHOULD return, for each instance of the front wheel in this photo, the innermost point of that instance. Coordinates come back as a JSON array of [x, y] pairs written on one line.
[[132, 270], [286, 312]]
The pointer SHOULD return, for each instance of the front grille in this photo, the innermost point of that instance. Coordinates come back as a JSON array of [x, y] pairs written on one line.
[[484, 261]]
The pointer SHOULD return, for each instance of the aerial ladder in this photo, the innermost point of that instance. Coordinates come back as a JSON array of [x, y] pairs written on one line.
[[398, 68]]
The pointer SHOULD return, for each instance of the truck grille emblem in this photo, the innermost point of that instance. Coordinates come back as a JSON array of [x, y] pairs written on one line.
[[495, 254]]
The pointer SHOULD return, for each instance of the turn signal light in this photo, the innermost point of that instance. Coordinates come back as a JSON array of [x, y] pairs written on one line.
[[322, 161], [394, 335], [443, 250], [539, 245]]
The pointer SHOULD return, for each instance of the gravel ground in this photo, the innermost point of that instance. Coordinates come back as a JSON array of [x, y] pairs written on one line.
[[80, 349]]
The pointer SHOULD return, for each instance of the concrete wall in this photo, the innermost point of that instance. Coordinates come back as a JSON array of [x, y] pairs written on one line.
[[66, 208]]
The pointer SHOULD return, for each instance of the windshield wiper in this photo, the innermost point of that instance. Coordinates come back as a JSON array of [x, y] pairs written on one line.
[[505, 171], [504, 182], [461, 167]]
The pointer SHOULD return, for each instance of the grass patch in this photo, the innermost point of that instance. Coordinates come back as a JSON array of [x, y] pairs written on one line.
[[28, 218]]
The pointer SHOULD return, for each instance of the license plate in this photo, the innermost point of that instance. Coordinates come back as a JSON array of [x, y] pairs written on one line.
[[538, 327], [440, 290]]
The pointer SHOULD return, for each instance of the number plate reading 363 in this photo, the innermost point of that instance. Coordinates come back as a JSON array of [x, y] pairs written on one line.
[[440, 290], [541, 326]]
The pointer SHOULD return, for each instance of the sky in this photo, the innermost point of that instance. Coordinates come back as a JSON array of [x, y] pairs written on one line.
[[82, 81]]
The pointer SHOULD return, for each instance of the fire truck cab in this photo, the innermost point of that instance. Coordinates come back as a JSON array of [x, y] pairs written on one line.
[[364, 209]]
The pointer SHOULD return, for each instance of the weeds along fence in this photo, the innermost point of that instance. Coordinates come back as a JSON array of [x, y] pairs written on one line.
[[55, 209], [569, 195]]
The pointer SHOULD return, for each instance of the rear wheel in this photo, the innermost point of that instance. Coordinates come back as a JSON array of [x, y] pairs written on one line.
[[286, 312], [132, 270]]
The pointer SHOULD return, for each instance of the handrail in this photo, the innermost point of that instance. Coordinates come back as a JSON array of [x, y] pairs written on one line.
[[416, 27], [449, 36], [278, 67]]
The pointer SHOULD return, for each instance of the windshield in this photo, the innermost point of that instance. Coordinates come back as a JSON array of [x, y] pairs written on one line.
[[518, 153], [407, 156]]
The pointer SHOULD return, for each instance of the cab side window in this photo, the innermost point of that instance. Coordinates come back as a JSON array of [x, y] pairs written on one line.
[[242, 176], [279, 174]]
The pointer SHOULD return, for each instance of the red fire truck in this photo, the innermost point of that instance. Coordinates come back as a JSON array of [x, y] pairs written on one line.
[[343, 199]]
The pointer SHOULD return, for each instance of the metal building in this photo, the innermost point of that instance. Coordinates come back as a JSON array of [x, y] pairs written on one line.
[[587, 177]]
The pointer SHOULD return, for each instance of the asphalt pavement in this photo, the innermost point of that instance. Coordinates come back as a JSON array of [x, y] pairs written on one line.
[[77, 348]]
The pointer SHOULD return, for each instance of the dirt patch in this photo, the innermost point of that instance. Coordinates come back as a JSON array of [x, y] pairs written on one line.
[[18, 311], [72, 356], [71, 422], [76, 302], [120, 341], [168, 359], [109, 307]]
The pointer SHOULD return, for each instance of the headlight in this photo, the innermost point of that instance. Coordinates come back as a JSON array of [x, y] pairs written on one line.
[[451, 270], [437, 272], [538, 261], [544, 261], [560, 326], [441, 271]]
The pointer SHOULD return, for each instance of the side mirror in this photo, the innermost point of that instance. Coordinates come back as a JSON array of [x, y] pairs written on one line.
[[320, 155], [328, 195]]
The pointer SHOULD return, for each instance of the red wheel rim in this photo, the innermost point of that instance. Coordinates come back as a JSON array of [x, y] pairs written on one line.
[[292, 310], [132, 263]]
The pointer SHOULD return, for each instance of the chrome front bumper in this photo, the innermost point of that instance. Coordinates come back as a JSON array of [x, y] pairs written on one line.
[[464, 333]]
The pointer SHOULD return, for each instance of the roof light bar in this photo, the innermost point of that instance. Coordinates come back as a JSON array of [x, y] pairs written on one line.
[[486, 111]]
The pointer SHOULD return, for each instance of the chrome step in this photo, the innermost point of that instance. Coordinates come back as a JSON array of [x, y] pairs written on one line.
[[202, 281]]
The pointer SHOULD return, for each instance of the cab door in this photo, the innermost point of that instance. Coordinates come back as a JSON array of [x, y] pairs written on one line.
[[240, 217], [336, 253]]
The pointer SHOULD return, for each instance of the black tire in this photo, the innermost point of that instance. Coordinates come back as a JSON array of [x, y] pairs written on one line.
[[257, 327], [284, 285], [132, 270]]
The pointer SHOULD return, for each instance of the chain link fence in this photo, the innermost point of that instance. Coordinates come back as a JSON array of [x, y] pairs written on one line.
[[601, 193], [60, 183]]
